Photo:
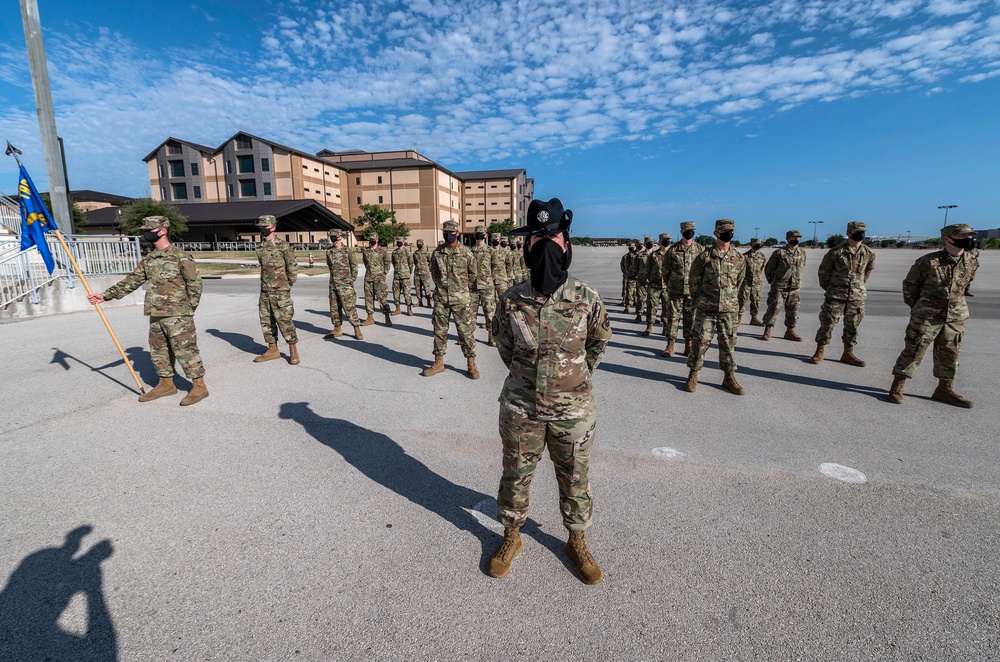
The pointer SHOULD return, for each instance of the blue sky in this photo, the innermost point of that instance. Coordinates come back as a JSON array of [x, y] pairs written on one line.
[[637, 115]]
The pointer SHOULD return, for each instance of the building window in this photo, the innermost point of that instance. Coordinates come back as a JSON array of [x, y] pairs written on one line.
[[267, 188], [305, 167], [338, 195], [493, 185], [507, 202], [328, 193], [481, 187], [231, 194], [306, 190], [468, 204], [173, 148], [481, 204], [265, 165], [197, 192], [245, 163], [359, 199], [506, 185], [357, 180], [380, 199], [180, 191], [194, 169], [163, 173], [163, 193], [494, 204], [243, 142], [176, 168], [229, 167], [380, 179], [248, 188]]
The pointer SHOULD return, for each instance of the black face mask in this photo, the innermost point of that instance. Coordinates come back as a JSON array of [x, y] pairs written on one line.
[[496, 243], [726, 237], [858, 236], [793, 242], [399, 245], [549, 265], [665, 244], [756, 247], [372, 242], [965, 243], [649, 245], [152, 236], [504, 244], [265, 233], [450, 237], [688, 234], [480, 235]]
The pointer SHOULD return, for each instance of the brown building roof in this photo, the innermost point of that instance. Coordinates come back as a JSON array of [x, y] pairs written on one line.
[[489, 174], [306, 215]]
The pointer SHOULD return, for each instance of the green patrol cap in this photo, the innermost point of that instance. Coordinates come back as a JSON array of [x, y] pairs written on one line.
[[494, 236], [756, 240], [450, 226], [792, 233], [420, 242], [480, 228], [155, 222], [687, 225], [333, 234], [856, 226], [956, 228], [664, 236], [266, 220], [371, 234], [724, 224], [649, 240]]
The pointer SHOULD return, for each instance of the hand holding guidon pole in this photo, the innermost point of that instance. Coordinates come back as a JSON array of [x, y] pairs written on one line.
[[35, 222]]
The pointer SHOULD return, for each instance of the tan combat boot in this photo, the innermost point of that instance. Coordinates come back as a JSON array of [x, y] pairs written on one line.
[[271, 353], [691, 385], [648, 330], [896, 390], [357, 333], [755, 322], [434, 368], [336, 333], [767, 333], [791, 335], [369, 320], [197, 393], [293, 354], [638, 318], [396, 311], [500, 562], [849, 358], [164, 388], [817, 358], [473, 370], [388, 320], [944, 393], [669, 351], [730, 384], [576, 549], [409, 310], [626, 309]]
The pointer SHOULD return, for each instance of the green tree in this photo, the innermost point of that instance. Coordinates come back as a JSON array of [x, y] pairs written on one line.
[[771, 241], [935, 241], [992, 242], [384, 222], [79, 218], [835, 240], [130, 218], [503, 227], [582, 241], [705, 240]]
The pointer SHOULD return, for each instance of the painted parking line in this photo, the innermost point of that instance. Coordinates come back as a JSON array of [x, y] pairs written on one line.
[[667, 453], [840, 472]]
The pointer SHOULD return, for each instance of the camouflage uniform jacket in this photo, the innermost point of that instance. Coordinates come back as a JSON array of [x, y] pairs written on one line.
[[677, 267], [521, 264], [402, 263], [755, 265], [654, 269], [174, 283], [623, 262], [844, 272], [631, 266], [716, 278], [422, 261], [641, 262], [376, 263], [454, 272], [485, 277], [552, 346], [934, 288], [343, 263], [278, 269], [499, 266], [784, 268]]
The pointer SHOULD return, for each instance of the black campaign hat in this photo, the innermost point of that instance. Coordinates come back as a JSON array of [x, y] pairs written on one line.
[[545, 218]]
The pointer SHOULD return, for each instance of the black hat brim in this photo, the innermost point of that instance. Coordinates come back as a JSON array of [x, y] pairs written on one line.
[[552, 227]]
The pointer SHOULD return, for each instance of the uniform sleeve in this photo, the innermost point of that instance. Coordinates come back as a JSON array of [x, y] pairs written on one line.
[[598, 334], [694, 279], [772, 264], [291, 265], [502, 333], [912, 283], [825, 269], [741, 277], [192, 279], [871, 266], [435, 269], [128, 284], [329, 260], [665, 268], [473, 269]]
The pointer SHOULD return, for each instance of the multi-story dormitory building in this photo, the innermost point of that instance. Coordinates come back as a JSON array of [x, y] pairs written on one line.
[[248, 169]]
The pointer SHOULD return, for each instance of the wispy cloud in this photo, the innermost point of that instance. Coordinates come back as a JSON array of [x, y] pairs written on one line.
[[494, 80]]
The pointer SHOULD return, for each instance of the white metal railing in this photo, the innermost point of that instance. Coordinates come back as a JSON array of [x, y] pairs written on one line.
[[10, 215]]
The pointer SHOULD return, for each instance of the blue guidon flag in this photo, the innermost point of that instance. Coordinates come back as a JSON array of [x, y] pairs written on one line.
[[35, 219]]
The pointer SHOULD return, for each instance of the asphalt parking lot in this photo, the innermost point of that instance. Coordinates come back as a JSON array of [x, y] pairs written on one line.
[[342, 509]]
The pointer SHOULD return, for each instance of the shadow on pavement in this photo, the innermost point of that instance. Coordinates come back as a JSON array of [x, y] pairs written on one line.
[[384, 461], [311, 328], [138, 357], [240, 341], [40, 589], [385, 353], [629, 371]]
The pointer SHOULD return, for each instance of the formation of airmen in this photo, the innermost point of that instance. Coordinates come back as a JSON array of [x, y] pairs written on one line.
[[709, 289], [551, 329]]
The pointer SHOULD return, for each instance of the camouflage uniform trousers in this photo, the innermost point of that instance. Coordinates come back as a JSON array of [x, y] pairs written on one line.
[[276, 312], [343, 300], [680, 309], [423, 284], [401, 285], [630, 293], [463, 323], [751, 294], [485, 299], [640, 296], [657, 301], [500, 289], [829, 315], [569, 443], [920, 333], [777, 297], [174, 338], [376, 290], [706, 325]]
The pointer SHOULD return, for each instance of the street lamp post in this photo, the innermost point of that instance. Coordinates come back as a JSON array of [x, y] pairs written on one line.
[[907, 237], [946, 208], [815, 225], [756, 232]]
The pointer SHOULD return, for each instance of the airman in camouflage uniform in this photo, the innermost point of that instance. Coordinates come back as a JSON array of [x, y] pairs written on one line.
[[522, 268], [551, 343], [628, 286], [510, 259], [453, 268], [842, 275], [784, 272], [631, 274], [343, 263], [716, 277], [402, 268], [422, 273], [934, 289], [483, 289], [501, 280], [621, 266], [657, 298], [676, 274], [173, 293], [642, 276], [376, 260], [278, 272], [753, 284]]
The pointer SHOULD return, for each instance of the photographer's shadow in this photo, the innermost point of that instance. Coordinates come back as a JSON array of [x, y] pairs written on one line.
[[384, 461]]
